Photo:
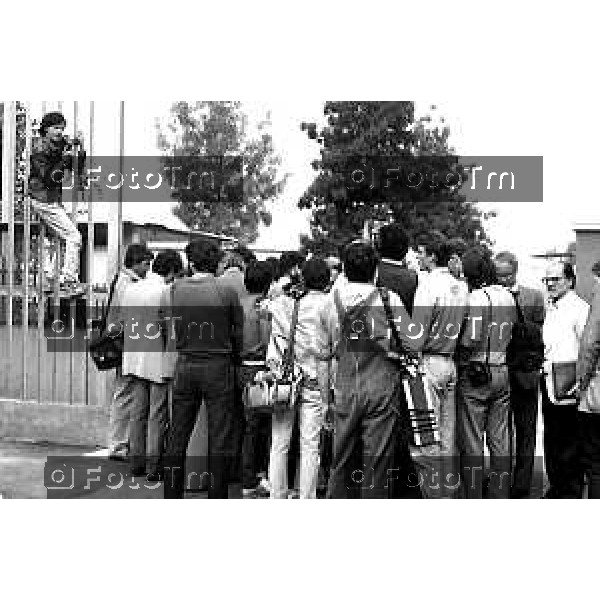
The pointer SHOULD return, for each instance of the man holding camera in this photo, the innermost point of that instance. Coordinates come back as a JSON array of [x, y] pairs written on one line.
[[51, 156]]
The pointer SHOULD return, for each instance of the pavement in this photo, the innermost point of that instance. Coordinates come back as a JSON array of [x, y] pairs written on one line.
[[24, 464]]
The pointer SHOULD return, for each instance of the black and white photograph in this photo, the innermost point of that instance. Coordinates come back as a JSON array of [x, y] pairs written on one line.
[[289, 296]]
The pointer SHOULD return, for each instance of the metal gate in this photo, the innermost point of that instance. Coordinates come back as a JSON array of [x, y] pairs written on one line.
[[33, 364]]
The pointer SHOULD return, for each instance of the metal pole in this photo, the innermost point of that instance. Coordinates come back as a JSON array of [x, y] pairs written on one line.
[[8, 192], [41, 302], [90, 255], [73, 302], [26, 243], [9, 159], [121, 170]]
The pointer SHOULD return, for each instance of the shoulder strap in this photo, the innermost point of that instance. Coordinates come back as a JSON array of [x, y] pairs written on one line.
[[385, 299], [519, 311], [111, 293], [487, 356], [288, 357]]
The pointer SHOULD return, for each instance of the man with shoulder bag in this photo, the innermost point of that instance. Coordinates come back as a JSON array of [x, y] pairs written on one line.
[[298, 358], [136, 265], [483, 380]]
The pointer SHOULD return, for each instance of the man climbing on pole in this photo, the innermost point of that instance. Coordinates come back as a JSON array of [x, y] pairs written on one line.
[[51, 156]]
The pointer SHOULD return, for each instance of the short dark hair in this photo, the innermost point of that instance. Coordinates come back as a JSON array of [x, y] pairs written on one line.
[[290, 259], [478, 268], [204, 255], [393, 242], [316, 274], [166, 262], [442, 251], [569, 273], [360, 261], [49, 120], [246, 254], [274, 265], [258, 277], [509, 258], [135, 254]]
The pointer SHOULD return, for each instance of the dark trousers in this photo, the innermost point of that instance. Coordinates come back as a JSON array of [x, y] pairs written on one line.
[[561, 441], [483, 411], [524, 408], [363, 447], [212, 381], [590, 451], [257, 443]]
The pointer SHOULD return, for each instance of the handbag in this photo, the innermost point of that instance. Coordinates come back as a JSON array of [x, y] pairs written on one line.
[[107, 350], [412, 396], [256, 392], [479, 373]]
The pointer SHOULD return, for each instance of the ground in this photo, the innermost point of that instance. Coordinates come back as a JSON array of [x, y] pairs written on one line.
[[22, 473]]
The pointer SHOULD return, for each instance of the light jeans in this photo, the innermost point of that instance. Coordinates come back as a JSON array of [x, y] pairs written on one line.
[[438, 466], [312, 414], [56, 218]]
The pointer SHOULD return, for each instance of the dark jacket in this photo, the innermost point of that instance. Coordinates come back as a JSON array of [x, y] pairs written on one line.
[[49, 161], [208, 318], [531, 302], [397, 278]]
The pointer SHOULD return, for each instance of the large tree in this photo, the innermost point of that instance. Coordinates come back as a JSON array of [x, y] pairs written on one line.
[[380, 135], [246, 166]]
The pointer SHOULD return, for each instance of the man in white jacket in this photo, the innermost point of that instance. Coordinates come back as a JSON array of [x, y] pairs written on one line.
[[147, 364]]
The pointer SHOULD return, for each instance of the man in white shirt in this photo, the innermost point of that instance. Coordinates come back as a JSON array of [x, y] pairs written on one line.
[[439, 307], [147, 363], [566, 317]]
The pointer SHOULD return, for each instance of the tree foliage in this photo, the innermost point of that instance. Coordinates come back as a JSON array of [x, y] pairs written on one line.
[[384, 134], [247, 164]]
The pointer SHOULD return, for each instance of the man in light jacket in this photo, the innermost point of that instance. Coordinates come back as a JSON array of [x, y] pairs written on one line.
[[147, 364], [136, 264]]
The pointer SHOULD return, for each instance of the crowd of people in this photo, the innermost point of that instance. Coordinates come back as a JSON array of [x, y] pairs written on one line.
[[407, 362]]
